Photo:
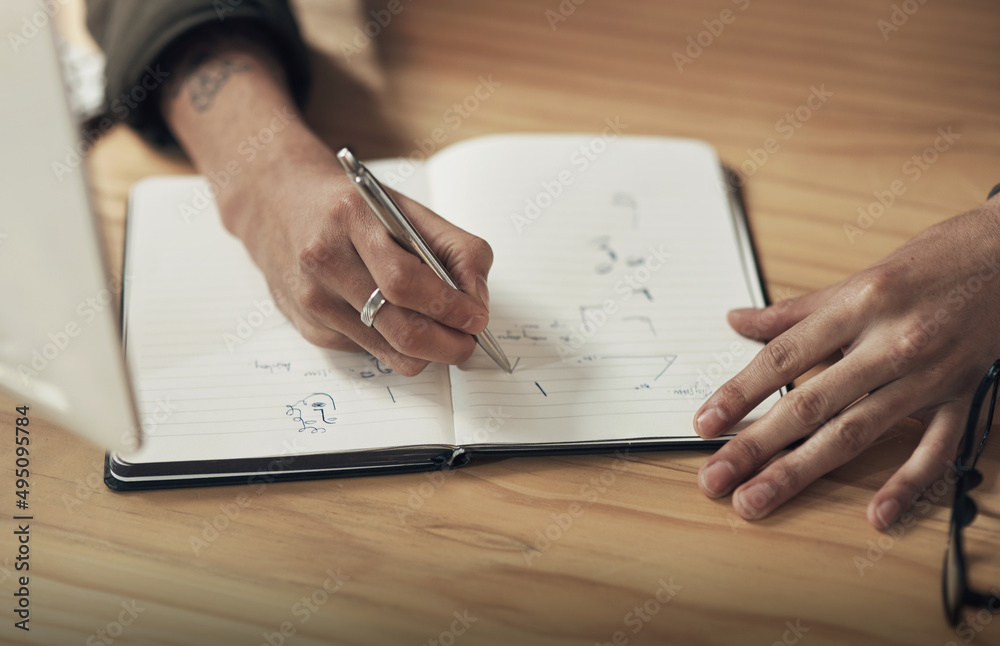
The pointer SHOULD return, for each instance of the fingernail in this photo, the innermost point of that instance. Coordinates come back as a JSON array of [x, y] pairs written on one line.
[[887, 513], [711, 422], [717, 478], [483, 291], [754, 499], [475, 325]]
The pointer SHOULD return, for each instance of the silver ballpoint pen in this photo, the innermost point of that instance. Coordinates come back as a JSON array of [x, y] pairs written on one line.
[[402, 231]]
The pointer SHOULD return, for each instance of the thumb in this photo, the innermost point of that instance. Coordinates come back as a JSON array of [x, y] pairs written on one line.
[[768, 322], [467, 257]]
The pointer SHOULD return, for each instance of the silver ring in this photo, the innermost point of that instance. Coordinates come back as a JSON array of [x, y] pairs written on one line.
[[371, 308]]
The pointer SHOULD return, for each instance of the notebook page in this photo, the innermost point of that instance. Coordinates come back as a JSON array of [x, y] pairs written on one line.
[[220, 373], [616, 262]]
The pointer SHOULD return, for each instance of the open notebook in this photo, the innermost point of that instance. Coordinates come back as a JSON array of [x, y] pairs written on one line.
[[616, 262]]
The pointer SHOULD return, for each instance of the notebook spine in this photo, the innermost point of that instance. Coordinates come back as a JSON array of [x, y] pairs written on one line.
[[459, 457]]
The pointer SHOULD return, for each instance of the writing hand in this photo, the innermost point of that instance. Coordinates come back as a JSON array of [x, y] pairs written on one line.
[[283, 193], [323, 252], [917, 331]]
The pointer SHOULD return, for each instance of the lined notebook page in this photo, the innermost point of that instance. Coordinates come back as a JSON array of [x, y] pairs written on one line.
[[220, 372], [616, 262]]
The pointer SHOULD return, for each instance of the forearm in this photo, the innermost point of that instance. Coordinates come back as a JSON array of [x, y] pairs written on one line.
[[282, 192], [230, 107]]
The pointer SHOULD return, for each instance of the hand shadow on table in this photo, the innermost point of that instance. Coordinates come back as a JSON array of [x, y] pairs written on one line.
[[349, 101]]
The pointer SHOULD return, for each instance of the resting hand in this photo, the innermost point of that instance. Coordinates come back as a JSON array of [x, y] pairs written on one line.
[[917, 331]]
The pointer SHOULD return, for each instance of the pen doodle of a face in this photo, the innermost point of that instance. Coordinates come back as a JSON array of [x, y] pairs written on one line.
[[312, 412]]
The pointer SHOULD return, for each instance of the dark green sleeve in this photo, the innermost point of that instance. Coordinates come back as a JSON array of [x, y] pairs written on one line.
[[135, 33]]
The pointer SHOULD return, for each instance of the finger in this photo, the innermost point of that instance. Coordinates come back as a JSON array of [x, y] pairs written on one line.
[[333, 278], [467, 257], [837, 442], [768, 322], [930, 462], [320, 326], [415, 335], [796, 415], [778, 363], [408, 283]]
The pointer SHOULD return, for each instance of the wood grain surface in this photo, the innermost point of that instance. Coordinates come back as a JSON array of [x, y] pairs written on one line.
[[575, 550]]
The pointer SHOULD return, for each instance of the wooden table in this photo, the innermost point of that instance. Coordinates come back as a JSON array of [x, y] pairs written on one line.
[[490, 551]]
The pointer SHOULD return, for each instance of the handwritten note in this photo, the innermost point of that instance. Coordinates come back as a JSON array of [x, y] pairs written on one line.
[[615, 267], [221, 373], [610, 287]]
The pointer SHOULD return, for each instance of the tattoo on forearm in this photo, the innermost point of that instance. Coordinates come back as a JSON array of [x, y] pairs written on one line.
[[207, 76]]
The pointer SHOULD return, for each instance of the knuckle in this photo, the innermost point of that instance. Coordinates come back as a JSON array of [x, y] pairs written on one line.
[[911, 339], [807, 406], [315, 256], [313, 299], [920, 334], [849, 435], [409, 367], [787, 476], [400, 281], [733, 400], [876, 283], [349, 205], [939, 450], [463, 351], [759, 325], [326, 338], [750, 449], [780, 356], [866, 291], [407, 336]]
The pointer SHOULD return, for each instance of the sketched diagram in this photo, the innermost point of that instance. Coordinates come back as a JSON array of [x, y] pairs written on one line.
[[311, 412]]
